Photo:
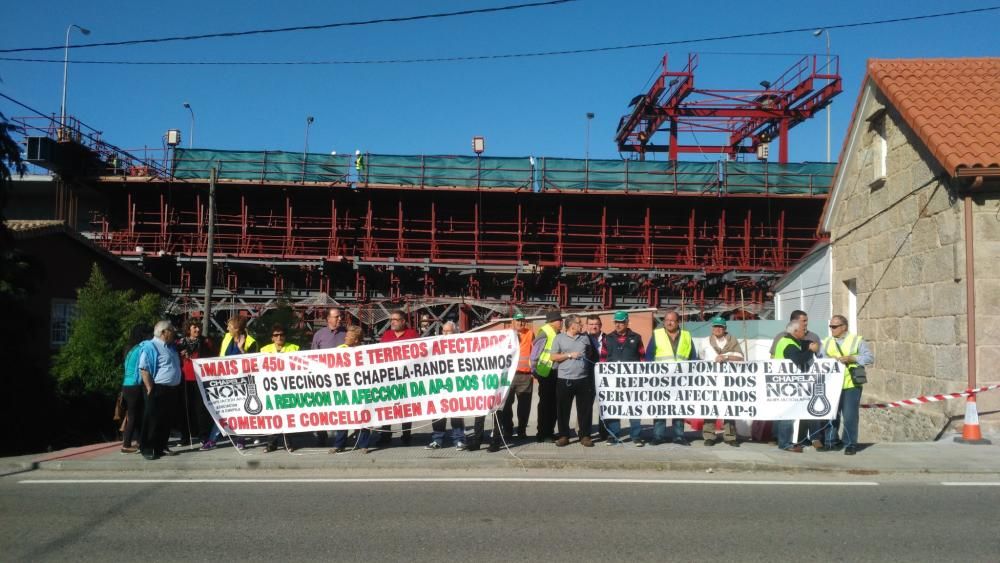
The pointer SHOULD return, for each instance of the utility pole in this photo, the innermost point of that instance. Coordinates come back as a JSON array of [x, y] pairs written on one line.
[[206, 320]]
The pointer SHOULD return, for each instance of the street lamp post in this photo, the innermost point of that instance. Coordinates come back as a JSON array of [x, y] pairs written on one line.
[[191, 137], [590, 117], [305, 148], [817, 33], [62, 108]]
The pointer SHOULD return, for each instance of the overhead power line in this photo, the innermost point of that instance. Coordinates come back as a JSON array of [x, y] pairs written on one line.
[[463, 58], [296, 28]]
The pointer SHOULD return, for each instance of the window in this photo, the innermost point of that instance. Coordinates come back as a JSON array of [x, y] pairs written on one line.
[[852, 303], [63, 313], [879, 149]]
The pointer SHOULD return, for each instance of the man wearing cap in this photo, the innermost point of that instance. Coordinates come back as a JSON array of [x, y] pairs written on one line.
[[721, 348], [520, 389], [670, 344], [624, 345], [545, 372]]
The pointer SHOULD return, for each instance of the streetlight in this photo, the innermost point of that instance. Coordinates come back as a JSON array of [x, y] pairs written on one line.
[[817, 33], [62, 108], [590, 117], [305, 148], [191, 138]]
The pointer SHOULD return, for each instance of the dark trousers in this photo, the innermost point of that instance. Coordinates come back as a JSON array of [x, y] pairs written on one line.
[[506, 416], [133, 395], [156, 422], [582, 391], [386, 436], [547, 405], [192, 416]]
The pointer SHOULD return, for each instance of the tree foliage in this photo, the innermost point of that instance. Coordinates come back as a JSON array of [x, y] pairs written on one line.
[[91, 360], [284, 315]]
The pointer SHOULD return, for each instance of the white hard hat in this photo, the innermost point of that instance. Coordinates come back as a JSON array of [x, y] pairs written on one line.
[[357, 152]]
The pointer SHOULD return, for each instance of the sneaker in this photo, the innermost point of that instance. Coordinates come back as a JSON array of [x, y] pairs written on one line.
[[258, 442], [433, 446], [640, 443], [129, 450], [681, 441], [168, 452], [460, 446], [240, 443], [207, 445]]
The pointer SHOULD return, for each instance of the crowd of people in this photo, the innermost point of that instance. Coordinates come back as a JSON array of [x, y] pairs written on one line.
[[161, 392]]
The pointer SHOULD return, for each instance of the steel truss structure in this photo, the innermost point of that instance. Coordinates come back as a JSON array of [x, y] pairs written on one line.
[[747, 118]]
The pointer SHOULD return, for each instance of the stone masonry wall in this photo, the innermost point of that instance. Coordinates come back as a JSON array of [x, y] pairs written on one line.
[[902, 243]]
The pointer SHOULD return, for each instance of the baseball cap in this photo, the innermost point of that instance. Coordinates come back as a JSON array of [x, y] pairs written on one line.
[[518, 316], [718, 321], [621, 317]]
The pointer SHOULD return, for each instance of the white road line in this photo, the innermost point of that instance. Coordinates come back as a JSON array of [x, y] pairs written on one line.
[[971, 483], [457, 480]]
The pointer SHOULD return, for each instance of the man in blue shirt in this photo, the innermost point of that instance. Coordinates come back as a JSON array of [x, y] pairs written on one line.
[[160, 368]]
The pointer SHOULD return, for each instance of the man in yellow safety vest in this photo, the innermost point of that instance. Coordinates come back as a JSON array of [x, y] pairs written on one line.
[[541, 365], [670, 344]]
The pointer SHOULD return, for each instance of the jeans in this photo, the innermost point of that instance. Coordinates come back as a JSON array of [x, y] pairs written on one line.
[[133, 395], [615, 428], [850, 403], [783, 432], [457, 430], [340, 438], [660, 429]]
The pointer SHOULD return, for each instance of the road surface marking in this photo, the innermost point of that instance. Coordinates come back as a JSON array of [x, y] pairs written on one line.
[[971, 483], [458, 480]]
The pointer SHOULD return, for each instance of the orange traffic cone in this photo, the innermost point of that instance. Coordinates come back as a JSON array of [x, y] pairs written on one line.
[[970, 430]]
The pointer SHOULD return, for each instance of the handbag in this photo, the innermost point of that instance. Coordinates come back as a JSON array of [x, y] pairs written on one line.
[[858, 374], [120, 408]]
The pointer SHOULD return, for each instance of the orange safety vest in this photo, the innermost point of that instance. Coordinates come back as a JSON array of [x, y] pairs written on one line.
[[524, 360]]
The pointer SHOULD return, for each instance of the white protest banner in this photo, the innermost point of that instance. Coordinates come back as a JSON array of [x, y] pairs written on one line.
[[761, 390], [347, 388]]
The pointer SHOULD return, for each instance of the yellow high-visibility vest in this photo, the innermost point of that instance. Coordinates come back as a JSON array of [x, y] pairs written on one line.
[[665, 352]]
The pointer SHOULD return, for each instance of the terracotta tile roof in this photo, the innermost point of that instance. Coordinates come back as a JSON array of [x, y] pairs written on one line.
[[953, 105]]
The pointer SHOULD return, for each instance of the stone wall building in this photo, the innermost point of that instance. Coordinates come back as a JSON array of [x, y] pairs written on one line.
[[923, 139]]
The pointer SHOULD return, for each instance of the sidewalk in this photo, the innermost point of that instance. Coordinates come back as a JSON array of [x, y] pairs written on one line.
[[941, 457]]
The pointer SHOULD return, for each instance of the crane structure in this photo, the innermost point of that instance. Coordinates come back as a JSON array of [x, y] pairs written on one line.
[[747, 119]]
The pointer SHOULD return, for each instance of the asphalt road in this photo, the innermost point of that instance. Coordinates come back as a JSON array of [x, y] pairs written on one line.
[[465, 516]]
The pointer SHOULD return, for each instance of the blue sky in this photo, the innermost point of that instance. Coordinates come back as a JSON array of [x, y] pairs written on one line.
[[525, 106]]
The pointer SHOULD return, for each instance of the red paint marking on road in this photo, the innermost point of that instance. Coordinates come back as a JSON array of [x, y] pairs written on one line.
[[90, 451]]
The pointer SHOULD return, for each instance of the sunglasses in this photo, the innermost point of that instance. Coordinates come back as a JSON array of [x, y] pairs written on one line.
[[836, 326]]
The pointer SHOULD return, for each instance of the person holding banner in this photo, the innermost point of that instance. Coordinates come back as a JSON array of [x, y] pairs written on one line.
[[353, 337], [277, 346], [160, 368], [599, 348], [670, 344], [852, 351], [457, 424], [570, 354], [624, 345], [793, 346], [721, 348], [397, 331], [520, 389], [546, 372], [235, 342]]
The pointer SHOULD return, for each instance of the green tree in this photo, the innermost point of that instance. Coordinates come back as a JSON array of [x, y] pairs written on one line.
[[285, 315], [91, 361]]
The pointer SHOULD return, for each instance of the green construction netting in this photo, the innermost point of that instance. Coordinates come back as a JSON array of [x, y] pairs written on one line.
[[539, 174]]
